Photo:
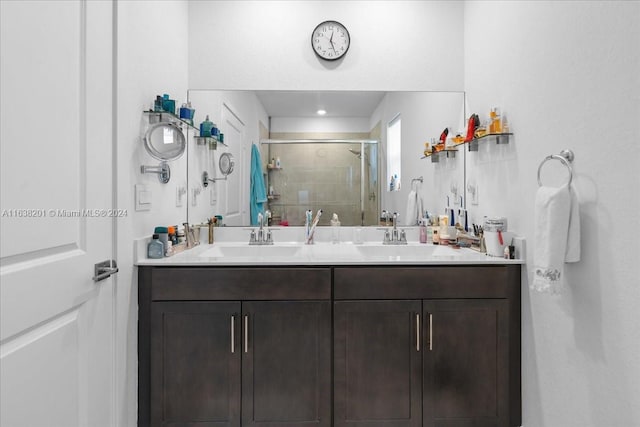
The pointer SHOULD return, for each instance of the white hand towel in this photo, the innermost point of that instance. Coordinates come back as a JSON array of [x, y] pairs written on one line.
[[556, 237], [411, 215]]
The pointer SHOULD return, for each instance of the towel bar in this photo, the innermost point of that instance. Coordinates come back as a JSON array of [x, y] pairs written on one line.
[[566, 157]]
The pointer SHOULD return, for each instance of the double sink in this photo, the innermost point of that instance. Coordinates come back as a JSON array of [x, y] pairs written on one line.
[[329, 251]]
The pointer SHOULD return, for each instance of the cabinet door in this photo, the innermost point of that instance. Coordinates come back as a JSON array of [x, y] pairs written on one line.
[[286, 363], [377, 364], [195, 364], [465, 363]]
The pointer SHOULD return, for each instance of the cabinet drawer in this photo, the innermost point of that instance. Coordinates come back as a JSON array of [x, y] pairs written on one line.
[[174, 284], [424, 282]]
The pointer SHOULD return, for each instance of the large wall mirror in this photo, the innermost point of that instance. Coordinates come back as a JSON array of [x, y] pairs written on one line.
[[339, 161]]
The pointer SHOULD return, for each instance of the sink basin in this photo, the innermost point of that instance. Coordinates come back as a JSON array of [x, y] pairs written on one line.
[[406, 251], [248, 251]]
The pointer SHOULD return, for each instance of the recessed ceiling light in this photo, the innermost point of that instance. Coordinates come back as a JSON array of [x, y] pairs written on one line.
[[321, 112]]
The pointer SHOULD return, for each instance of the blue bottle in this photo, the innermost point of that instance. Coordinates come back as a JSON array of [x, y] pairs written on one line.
[[168, 104], [206, 127]]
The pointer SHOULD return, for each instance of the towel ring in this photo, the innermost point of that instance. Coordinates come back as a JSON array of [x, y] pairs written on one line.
[[566, 157]]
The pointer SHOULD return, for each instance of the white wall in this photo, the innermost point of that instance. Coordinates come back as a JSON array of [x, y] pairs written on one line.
[[568, 75], [266, 45], [152, 59]]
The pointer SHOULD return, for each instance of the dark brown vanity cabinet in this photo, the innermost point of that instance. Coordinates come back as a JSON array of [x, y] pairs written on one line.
[[377, 364], [430, 347], [221, 353], [405, 346]]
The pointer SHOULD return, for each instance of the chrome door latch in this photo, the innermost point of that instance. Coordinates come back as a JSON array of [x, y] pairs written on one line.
[[104, 269]]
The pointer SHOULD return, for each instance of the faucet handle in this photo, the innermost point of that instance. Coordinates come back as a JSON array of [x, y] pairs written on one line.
[[403, 237], [252, 237]]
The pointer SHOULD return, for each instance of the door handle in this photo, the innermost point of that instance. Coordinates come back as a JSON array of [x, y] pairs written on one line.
[[233, 341], [246, 333], [104, 269], [417, 332], [430, 332]]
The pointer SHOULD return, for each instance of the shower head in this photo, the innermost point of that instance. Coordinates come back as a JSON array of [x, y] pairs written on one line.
[[355, 152]]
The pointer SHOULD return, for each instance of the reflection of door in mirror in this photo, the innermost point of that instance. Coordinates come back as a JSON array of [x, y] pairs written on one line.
[[234, 186]]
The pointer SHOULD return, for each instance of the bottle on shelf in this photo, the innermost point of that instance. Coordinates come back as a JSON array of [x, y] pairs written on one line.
[[495, 125], [168, 104], [205, 127]]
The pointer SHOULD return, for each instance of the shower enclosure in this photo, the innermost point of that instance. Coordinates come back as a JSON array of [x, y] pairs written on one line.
[[337, 176]]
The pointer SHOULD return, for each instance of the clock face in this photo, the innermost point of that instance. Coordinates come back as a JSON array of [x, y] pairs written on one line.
[[330, 40]]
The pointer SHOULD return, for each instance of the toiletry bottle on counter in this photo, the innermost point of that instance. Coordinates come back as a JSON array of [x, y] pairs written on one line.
[[436, 237], [163, 234], [155, 249], [423, 231], [335, 228]]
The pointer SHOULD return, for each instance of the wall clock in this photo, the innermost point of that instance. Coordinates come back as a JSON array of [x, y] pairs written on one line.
[[330, 40]]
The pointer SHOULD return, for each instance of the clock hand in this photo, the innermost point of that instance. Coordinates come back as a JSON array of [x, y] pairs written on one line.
[[332, 45]]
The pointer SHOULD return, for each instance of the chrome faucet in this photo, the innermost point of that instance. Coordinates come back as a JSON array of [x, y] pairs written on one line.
[[263, 236], [397, 236]]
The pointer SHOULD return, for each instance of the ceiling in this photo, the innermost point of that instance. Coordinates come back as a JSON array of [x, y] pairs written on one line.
[[307, 103]]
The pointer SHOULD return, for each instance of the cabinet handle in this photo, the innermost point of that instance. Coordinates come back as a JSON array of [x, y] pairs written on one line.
[[246, 333], [417, 332], [233, 341], [430, 332]]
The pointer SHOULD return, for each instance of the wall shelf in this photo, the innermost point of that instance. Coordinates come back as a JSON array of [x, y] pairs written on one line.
[[211, 141], [499, 138], [447, 152], [166, 116]]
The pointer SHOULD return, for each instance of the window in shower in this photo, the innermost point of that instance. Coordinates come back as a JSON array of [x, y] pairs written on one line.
[[394, 172]]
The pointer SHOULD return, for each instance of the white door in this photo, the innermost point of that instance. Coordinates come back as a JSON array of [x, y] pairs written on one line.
[[234, 188], [56, 323]]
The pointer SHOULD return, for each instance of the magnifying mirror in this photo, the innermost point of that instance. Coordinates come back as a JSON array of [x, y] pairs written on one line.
[[226, 164], [165, 141]]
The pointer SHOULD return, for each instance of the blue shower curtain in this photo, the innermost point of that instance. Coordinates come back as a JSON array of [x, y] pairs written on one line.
[[258, 191]]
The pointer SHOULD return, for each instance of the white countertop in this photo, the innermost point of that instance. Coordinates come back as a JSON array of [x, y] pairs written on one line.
[[230, 250]]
